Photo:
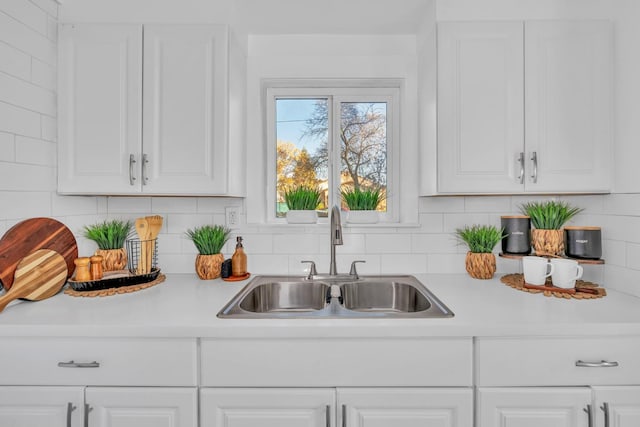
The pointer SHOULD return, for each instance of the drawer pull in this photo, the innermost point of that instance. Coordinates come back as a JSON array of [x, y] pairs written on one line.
[[72, 364], [601, 364]]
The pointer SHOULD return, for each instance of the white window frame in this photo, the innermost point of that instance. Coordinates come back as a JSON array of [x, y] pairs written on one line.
[[337, 92]]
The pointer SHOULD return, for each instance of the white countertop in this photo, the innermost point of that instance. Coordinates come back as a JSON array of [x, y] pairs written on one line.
[[184, 306]]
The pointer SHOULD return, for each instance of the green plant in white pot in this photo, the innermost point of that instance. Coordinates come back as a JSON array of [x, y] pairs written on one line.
[[302, 202], [362, 204]]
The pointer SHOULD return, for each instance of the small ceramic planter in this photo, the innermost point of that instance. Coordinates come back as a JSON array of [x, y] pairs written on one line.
[[363, 217], [302, 217]]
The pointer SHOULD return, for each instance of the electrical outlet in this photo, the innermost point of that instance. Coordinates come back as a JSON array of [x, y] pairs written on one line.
[[232, 216]]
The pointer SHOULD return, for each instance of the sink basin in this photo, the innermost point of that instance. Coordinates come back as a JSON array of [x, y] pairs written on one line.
[[384, 296], [284, 297], [335, 297]]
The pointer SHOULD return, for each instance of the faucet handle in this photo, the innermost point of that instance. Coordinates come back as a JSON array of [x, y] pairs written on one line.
[[353, 272], [312, 269]]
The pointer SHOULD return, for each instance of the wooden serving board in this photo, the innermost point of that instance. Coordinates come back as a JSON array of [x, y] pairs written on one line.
[[38, 276], [30, 235]]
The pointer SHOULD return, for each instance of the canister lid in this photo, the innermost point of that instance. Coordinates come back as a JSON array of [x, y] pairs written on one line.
[[514, 216], [580, 227]]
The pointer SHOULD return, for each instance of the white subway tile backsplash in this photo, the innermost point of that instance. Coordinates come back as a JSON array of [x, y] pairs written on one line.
[[27, 95], [14, 62], [267, 264], [17, 205], [292, 244], [73, 205], [176, 263], [446, 263], [180, 223], [35, 151], [455, 221], [7, 147], [434, 244], [174, 204], [441, 204], [27, 13], [500, 205], [49, 6], [388, 244], [49, 128], [18, 35], [403, 264], [255, 243], [592, 204], [21, 177], [431, 222], [352, 244], [633, 256], [43, 75], [19, 121], [622, 279], [623, 204], [216, 204], [129, 205]]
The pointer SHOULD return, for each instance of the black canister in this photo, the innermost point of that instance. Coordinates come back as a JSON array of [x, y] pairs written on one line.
[[583, 242], [518, 231]]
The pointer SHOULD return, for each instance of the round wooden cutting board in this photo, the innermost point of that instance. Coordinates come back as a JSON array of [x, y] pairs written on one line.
[[30, 235], [38, 276]]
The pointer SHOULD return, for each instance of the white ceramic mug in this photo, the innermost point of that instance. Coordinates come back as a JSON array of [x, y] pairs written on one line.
[[536, 269], [565, 273]]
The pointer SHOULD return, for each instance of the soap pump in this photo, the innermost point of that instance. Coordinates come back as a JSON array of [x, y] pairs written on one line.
[[239, 259]]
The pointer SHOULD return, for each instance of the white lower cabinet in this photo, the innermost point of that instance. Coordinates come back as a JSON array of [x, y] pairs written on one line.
[[616, 406], [98, 407], [41, 406], [141, 407], [327, 407], [533, 407]]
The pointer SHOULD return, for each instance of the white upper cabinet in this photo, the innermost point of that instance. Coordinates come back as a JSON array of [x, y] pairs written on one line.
[[524, 107], [143, 110]]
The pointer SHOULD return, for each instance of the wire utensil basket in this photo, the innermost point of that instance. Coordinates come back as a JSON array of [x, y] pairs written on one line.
[[142, 255]]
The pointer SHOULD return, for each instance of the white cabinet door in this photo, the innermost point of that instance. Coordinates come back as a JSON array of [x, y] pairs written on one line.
[[185, 99], [233, 407], [415, 407], [142, 407], [533, 407], [617, 406], [568, 106], [41, 406], [100, 108], [480, 107]]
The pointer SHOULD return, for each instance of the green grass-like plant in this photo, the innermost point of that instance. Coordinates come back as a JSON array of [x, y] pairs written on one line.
[[302, 197], [549, 215], [480, 238], [362, 199], [109, 234], [209, 239]]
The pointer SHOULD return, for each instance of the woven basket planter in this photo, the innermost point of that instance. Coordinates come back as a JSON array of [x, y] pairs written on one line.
[[480, 265], [208, 267], [113, 259], [548, 242]]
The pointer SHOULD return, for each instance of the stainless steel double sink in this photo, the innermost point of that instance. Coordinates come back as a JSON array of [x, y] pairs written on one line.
[[287, 297]]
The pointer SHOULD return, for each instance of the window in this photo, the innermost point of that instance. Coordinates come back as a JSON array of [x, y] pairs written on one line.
[[332, 139]]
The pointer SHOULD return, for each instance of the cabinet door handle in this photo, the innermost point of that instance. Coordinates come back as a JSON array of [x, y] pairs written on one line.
[[589, 415], [601, 364], [87, 409], [534, 159], [344, 415], [605, 409], [145, 178], [70, 409], [521, 163], [132, 163], [327, 415], [72, 364]]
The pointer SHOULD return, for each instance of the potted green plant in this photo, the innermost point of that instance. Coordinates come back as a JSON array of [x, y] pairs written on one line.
[[110, 236], [302, 201], [209, 240], [480, 261], [362, 204], [548, 217]]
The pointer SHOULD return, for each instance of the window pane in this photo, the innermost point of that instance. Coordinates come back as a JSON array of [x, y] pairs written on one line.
[[363, 154], [301, 144]]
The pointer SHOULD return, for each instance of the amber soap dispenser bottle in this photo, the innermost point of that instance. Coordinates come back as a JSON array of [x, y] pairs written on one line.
[[239, 259]]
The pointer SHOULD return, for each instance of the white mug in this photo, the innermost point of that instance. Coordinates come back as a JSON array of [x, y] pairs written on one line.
[[536, 270], [565, 273]]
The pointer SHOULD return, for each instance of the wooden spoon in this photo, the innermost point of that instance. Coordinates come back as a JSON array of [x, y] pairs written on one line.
[[155, 225], [39, 275], [142, 228]]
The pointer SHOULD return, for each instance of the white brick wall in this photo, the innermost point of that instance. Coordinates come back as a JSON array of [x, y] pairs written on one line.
[[27, 189]]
